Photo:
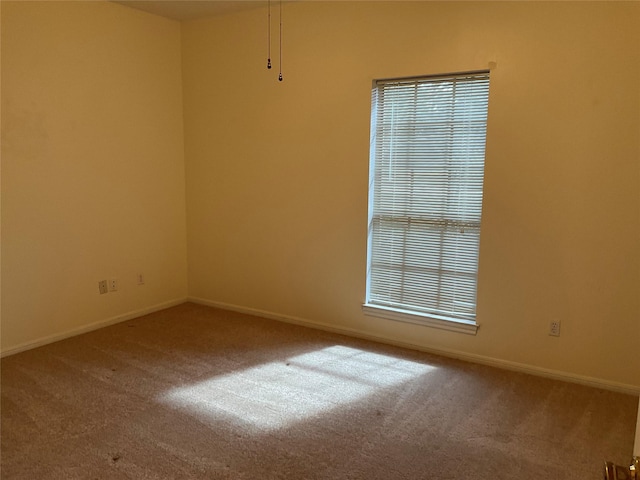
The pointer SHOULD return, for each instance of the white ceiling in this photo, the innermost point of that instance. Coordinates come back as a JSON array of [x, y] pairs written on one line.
[[191, 9]]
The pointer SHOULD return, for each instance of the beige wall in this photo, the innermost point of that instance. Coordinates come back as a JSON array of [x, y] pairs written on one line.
[[277, 173], [93, 169], [92, 166]]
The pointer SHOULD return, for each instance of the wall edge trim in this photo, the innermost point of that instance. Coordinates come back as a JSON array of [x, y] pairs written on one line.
[[469, 357], [91, 327]]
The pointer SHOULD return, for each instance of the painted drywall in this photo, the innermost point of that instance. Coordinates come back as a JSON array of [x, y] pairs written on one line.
[[93, 172], [92, 166], [277, 172]]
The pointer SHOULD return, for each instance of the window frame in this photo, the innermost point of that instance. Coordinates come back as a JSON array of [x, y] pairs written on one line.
[[419, 316]]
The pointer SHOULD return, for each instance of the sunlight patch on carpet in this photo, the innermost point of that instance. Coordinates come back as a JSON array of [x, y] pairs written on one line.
[[276, 394]]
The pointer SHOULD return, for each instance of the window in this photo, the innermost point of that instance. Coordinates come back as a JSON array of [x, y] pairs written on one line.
[[425, 198]]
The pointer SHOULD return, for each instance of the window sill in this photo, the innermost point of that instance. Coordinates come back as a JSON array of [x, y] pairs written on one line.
[[453, 325]]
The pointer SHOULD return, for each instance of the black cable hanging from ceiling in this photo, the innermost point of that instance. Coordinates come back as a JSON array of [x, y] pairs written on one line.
[[269, 36], [280, 74]]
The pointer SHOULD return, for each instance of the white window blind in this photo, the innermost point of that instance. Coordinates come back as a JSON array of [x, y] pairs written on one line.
[[425, 201]]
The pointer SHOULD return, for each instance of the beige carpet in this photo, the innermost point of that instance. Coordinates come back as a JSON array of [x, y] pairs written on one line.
[[194, 392]]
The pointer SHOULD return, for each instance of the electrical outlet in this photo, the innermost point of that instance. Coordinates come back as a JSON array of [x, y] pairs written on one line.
[[113, 285], [102, 286], [554, 328], [140, 279]]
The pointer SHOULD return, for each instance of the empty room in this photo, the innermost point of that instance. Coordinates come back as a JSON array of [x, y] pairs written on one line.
[[320, 239]]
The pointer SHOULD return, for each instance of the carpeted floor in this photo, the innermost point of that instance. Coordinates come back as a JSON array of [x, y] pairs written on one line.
[[198, 393]]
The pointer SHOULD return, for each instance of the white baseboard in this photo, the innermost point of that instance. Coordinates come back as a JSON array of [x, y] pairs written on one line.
[[469, 357], [92, 326]]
